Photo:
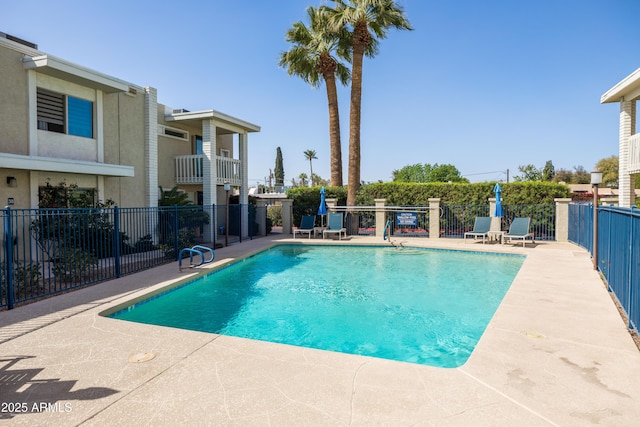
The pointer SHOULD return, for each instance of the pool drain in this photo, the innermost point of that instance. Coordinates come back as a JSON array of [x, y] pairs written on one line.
[[141, 357]]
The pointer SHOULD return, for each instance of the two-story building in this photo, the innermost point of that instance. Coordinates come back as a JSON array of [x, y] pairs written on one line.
[[60, 121], [626, 93]]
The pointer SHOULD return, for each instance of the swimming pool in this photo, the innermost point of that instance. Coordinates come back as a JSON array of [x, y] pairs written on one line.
[[425, 306]]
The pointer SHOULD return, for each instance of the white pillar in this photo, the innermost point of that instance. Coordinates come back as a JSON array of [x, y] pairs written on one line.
[[380, 216], [562, 219], [243, 148], [627, 128], [209, 175], [434, 218], [151, 146]]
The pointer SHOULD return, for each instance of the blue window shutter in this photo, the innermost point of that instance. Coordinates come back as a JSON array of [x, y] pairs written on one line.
[[80, 116]]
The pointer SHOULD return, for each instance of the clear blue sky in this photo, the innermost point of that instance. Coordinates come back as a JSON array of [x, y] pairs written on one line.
[[483, 85]]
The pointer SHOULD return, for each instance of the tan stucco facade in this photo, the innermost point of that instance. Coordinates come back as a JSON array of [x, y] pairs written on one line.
[[135, 145]]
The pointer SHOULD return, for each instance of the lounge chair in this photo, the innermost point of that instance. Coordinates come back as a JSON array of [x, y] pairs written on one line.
[[306, 225], [481, 228], [334, 225], [519, 230]]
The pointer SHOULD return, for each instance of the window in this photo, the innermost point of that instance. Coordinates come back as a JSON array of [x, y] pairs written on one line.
[[225, 153], [173, 132], [64, 114], [80, 117]]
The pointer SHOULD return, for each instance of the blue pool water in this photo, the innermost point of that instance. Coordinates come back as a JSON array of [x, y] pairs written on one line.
[[423, 306]]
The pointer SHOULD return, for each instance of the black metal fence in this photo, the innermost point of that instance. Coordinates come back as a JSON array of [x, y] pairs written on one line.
[[47, 251]]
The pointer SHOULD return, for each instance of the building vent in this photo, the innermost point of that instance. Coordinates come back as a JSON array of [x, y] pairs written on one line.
[[180, 110], [133, 91], [18, 40]]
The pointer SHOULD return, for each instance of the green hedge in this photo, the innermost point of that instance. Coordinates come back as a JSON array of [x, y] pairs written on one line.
[[418, 194]]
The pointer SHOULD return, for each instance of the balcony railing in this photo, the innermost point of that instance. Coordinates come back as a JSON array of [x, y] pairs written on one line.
[[189, 170], [634, 154]]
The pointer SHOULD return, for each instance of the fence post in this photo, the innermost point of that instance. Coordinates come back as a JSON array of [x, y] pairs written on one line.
[[116, 239], [287, 213], [434, 218], [380, 217], [632, 258], [562, 219], [8, 257], [176, 249]]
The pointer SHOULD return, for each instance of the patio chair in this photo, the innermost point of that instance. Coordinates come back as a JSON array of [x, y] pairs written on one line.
[[519, 230], [481, 228], [334, 225], [306, 225]]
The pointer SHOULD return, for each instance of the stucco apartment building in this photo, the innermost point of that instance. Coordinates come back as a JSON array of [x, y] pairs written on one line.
[[626, 93], [62, 121]]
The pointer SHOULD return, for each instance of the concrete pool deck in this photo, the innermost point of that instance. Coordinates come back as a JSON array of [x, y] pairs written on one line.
[[555, 353]]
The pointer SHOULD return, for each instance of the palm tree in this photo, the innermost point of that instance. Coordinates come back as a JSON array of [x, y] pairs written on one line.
[[367, 21], [315, 56], [310, 155]]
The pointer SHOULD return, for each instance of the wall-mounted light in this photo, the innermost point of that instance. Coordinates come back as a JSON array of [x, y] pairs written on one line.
[[12, 181]]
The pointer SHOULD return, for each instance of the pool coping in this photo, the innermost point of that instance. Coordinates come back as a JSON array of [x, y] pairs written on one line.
[[556, 352]]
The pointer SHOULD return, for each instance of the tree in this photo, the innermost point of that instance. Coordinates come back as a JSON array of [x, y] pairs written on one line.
[[581, 176], [316, 54], [279, 169], [529, 173], [428, 173], [310, 155], [367, 21], [548, 172], [303, 179], [609, 168], [563, 175]]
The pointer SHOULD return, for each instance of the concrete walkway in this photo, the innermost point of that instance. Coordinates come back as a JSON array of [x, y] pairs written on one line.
[[556, 353]]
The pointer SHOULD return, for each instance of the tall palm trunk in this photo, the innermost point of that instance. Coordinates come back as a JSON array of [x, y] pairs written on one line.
[[361, 40], [334, 129]]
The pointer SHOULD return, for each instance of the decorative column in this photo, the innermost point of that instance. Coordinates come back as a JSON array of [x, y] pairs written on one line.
[[496, 222], [434, 218], [627, 128], [562, 219], [380, 217], [261, 216], [287, 213], [151, 146], [331, 204], [209, 175], [243, 153]]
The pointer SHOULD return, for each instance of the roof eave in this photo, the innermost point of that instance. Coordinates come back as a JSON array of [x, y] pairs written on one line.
[[627, 89]]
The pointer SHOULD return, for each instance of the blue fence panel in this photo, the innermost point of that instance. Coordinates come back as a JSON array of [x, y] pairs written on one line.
[[619, 256], [581, 225]]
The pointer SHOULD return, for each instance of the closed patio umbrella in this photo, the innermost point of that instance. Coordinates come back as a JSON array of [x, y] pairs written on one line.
[[497, 190], [322, 209]]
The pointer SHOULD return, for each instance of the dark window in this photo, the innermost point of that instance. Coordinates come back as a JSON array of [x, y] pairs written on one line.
[[50, 111]]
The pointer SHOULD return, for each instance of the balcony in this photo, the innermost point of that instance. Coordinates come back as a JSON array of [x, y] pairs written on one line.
[[634, 154], [189, 170]]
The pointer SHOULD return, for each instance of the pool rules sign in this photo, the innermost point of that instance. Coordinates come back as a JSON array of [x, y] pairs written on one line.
[[409, 219]]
